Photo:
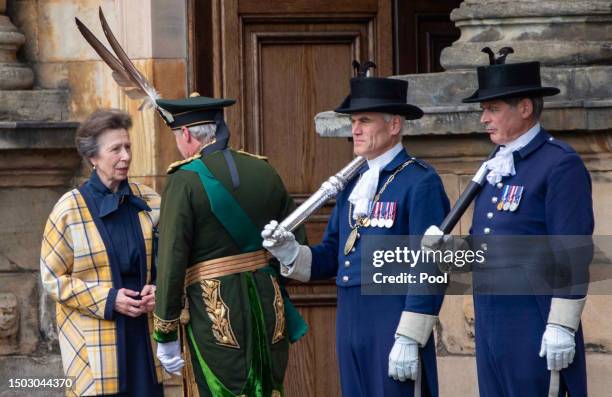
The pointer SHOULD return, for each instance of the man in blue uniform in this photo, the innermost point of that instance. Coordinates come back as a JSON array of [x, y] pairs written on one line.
[[527, 345], [384, 343]]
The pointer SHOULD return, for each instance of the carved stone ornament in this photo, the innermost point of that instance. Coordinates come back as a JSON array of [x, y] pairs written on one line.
[[468, 312], [9, 315]]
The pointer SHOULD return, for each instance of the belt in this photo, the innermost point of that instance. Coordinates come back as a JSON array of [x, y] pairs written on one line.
[[225, 266]]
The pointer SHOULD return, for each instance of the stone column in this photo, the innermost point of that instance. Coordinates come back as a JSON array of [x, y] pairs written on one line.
[[13, 75], [554, 32]]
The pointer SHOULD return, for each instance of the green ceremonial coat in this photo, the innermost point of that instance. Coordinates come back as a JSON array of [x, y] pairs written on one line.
[[220, 309]]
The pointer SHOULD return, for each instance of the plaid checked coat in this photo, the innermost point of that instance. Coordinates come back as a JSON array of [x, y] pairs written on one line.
[[75, 271]]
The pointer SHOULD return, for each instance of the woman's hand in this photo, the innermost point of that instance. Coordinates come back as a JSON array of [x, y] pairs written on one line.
[[126, 305], [147, 303]]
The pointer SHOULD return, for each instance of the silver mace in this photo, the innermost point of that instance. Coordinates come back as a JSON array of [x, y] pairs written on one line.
[[328, 190]]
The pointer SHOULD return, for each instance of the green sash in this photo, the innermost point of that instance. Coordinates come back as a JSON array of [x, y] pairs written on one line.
[[226, 209]]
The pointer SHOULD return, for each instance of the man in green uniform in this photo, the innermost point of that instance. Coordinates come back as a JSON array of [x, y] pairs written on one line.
[[211, 264]]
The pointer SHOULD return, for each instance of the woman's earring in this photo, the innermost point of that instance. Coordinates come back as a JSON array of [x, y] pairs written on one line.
[[94, 167]]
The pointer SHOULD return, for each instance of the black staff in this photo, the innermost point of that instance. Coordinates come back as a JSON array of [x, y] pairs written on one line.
[[466, 197]]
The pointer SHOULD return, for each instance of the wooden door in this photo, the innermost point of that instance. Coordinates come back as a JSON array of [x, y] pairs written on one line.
[[423, 29]]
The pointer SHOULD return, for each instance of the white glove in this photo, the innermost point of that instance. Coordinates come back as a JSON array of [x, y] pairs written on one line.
[[169, 354], [404, 359], [280, 242], [558, 346], [433, 238]]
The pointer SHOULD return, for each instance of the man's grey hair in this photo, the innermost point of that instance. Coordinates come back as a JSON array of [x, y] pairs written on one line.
[[204, 133], [387, 117], [537, 103]]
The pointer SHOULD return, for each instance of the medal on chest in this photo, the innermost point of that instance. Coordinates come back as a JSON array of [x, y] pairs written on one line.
[[381, 214], [500, 205], [390, 214], [517, 198], [510, 198], [350, 241], [374, 214]]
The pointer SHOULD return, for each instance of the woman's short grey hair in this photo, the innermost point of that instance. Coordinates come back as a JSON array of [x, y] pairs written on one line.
[[204, 133], [96, 124]]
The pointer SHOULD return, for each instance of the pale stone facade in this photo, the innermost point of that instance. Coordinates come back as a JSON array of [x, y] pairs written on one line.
[[57, 82], [60, 80]]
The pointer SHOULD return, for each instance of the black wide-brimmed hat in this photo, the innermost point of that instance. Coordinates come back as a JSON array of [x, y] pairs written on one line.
[[500, 80], [377, 94]]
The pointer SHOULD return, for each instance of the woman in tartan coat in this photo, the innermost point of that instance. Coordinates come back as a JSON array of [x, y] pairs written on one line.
[[96, 264]]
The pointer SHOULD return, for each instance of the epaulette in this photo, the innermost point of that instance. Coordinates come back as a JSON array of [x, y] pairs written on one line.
[[177, 164], [264, 158], [420, 162], [561, 144]]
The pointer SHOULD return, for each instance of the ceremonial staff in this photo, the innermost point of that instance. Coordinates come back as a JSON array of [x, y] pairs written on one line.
[[466, 197], [328, 190]]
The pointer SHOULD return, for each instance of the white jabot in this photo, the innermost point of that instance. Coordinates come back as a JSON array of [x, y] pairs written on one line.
[[365, 189], [503, 163]]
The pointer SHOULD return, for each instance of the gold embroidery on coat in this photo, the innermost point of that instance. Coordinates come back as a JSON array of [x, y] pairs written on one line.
[[219, 313], [279, 311], [276, 393], [165, 326]]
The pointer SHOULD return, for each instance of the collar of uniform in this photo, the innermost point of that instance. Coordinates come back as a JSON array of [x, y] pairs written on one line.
[[524, 139], [398, 160], [535, 143]]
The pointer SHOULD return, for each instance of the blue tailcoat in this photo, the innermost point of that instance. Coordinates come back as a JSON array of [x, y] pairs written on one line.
[[556, 201], [365, 325]]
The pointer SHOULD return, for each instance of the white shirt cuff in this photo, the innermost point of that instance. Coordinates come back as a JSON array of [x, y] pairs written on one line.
[[566, 312], [417, 326]]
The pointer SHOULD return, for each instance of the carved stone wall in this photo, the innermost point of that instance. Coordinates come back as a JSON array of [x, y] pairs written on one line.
[[37, 164], [55, 80], [154, 35]]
